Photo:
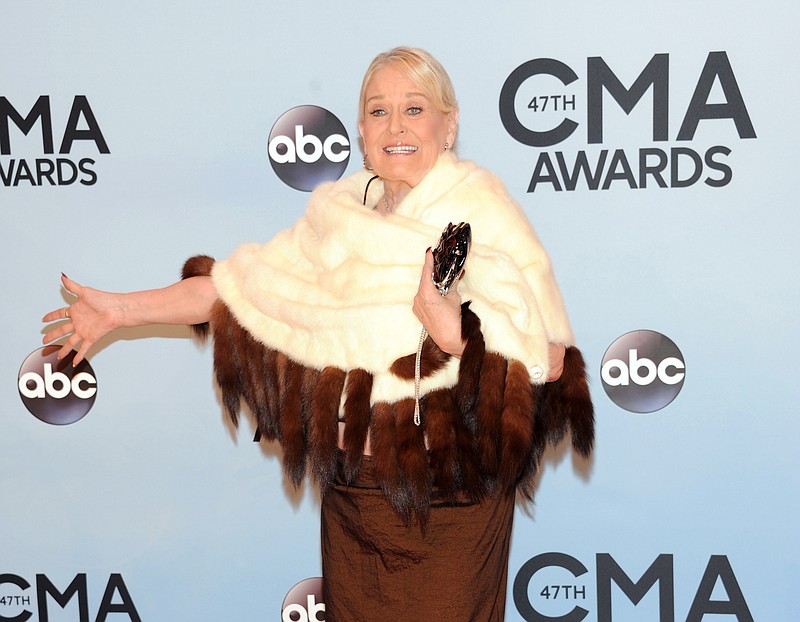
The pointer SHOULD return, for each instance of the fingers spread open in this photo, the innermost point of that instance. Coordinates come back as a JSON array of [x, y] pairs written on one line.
[[57, 332]]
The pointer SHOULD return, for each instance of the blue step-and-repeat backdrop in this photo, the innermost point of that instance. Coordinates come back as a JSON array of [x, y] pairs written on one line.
[[652, 144]]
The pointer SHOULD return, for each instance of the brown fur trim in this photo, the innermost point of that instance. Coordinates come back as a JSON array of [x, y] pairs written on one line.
[[253, 386], [323, 430], [307, 388], [527, 476], [357, 412], [266, 406], [382, 433], [471, 478], [540, 437], [490, 409], [431, 361], [552, 422], [293, 437], [412, 459], [246, 354], [437, 409], [199, 265], [485, 435], [225, 365], [271, 380], [517, 424], [469, 370], [577, 401], [281, 363], [310, 380]]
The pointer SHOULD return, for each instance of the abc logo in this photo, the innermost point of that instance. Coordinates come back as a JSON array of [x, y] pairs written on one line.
[[304, 603], [643, 371], [53, 390], [307, 146]]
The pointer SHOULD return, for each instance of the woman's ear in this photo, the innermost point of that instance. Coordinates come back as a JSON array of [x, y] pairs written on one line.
[[452, 126]]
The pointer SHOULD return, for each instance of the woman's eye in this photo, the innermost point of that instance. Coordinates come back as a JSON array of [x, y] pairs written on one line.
[[414, 110], [378, 112]]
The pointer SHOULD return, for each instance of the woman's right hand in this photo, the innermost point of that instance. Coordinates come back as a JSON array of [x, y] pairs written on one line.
[[90, 317], [95, 313]]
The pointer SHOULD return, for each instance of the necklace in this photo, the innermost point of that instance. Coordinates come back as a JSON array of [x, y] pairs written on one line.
[[366, 190]]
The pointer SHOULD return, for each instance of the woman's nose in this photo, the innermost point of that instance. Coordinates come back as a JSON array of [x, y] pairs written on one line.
[[395, 125]]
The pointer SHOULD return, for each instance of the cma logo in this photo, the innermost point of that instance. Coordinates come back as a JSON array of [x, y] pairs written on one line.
[[543, 576], [304, 603], [55, 391], [538, 114], [643, 371], [81, 127], [116, 599], [307, 146], [600, 79]]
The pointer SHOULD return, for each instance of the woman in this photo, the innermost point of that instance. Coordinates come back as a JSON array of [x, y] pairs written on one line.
[[418, 439]]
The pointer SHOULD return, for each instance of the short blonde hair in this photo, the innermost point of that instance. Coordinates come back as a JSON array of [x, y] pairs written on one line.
[[422, 69]]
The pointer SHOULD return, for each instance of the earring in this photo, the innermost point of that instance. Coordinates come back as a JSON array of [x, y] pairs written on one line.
[[446, 146], [367, 164]]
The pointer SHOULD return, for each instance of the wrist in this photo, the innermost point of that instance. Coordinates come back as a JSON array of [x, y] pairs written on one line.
[[121, 314], [455, 349]]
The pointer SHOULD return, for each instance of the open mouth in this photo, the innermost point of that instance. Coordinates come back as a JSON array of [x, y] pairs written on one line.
[[400, 149]]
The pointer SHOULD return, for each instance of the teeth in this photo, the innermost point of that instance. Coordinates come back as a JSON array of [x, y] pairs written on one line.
[[401, 149]]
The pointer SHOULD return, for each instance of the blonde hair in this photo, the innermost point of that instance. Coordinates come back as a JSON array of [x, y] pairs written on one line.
[[422, 69]]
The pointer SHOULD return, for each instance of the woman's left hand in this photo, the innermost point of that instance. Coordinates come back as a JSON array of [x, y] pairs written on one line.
[[440, 315]]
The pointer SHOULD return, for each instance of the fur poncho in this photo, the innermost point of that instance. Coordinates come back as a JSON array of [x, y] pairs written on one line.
[[316, 326]]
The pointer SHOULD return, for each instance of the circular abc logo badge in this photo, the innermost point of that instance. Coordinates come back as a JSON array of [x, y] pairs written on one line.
[[304, 603], [643, 371], [53, 390], [307, 146]]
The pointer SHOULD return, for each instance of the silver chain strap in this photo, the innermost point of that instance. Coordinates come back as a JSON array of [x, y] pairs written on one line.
[[417, 365]]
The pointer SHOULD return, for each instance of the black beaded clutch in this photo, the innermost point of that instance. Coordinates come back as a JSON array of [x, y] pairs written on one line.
[[450, 255]]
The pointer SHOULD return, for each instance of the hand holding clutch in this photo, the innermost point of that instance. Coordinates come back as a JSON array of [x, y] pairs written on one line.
[[450, 255]]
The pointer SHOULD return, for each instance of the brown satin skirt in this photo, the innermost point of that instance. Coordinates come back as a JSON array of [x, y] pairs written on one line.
[[377, 569]]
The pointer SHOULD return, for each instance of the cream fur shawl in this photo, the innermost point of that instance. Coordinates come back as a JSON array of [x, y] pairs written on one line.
[[336, 288]]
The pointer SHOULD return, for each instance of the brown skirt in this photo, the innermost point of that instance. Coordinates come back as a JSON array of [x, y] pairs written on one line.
[[376, 568]]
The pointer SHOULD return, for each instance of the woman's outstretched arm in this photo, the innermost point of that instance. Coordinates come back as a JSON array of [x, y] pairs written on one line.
[[95, 313]]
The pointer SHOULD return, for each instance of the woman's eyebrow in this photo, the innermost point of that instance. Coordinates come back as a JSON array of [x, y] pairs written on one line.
[[409, 94]]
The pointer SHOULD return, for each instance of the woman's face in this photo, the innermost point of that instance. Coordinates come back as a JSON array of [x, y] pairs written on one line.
[[403, 132]]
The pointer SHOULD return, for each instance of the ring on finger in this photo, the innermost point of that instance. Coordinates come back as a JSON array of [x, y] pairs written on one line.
[[66, 312]]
